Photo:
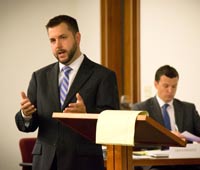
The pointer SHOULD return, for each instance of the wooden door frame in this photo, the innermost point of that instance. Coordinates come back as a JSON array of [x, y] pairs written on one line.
[[120, 44]]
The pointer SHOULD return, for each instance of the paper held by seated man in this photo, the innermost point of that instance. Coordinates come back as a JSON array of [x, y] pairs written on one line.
[[117, 127]]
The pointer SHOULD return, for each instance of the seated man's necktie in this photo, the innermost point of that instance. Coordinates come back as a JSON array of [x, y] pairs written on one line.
[[166, 116]]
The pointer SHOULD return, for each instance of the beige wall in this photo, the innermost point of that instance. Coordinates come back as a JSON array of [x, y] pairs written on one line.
[[170, 34], [25, 48]]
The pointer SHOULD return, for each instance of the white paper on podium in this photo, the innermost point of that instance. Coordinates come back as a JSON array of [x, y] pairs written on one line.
[[117, 127]]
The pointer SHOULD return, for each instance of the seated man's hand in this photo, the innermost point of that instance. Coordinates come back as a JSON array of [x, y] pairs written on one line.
[[179, 135]]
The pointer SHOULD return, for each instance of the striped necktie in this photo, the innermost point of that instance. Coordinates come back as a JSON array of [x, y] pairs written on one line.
[[166, 116], [64, 84]]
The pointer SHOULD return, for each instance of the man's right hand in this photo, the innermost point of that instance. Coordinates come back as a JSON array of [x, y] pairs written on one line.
[[26, 106]]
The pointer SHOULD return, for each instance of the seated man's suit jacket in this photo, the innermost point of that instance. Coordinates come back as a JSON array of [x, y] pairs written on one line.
[[186, 115]]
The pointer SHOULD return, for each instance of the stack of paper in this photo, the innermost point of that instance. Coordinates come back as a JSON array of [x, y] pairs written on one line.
[[117, 127], [151, 153]]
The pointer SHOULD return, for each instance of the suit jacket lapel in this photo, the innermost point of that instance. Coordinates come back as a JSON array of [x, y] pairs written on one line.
[[156, 111], [178, 111], [52, 77], [84, 72]]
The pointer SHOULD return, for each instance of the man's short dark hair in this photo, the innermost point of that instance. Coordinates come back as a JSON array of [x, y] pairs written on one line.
[[166, 70], [70, 21]]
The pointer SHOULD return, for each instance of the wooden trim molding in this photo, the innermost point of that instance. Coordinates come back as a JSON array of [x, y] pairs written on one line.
[[120, 44], [111, 37]]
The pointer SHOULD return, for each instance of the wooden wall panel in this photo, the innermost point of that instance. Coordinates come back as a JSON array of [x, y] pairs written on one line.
[[120, 45], [132, 49], [111, 37]]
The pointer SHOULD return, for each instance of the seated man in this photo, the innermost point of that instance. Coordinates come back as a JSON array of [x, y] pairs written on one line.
[[177, 115]]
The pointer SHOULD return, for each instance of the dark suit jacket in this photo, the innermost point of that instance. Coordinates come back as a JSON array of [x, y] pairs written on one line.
[[186, 116], [98, 87]]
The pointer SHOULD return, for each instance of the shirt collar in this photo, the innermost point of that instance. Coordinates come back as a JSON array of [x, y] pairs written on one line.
[[161, 102], [74, 65]]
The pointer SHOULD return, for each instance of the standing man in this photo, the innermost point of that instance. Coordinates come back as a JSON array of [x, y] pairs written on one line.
[[89, 88], [182, 116]]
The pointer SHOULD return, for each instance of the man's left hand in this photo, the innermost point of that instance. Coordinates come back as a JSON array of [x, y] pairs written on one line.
[[78, 107]]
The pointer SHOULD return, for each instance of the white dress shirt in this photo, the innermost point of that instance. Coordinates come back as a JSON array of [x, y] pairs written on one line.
[[75, 67]]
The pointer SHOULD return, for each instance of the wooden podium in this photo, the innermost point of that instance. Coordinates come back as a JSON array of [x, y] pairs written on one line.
[[147, 132]]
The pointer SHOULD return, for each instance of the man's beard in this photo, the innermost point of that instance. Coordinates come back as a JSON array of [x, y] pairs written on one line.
[[71, 54]]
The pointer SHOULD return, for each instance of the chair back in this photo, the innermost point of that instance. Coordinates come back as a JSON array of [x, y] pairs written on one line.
[[26, 147]]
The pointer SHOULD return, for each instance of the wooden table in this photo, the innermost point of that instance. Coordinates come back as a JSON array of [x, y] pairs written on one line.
[[165, 161]]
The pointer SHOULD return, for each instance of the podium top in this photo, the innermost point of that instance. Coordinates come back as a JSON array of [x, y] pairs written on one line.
[[148, 131], [58, 115]]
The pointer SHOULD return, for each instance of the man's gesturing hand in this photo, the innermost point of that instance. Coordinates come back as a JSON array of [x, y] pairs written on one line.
[[78, 107], [26, 106]]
